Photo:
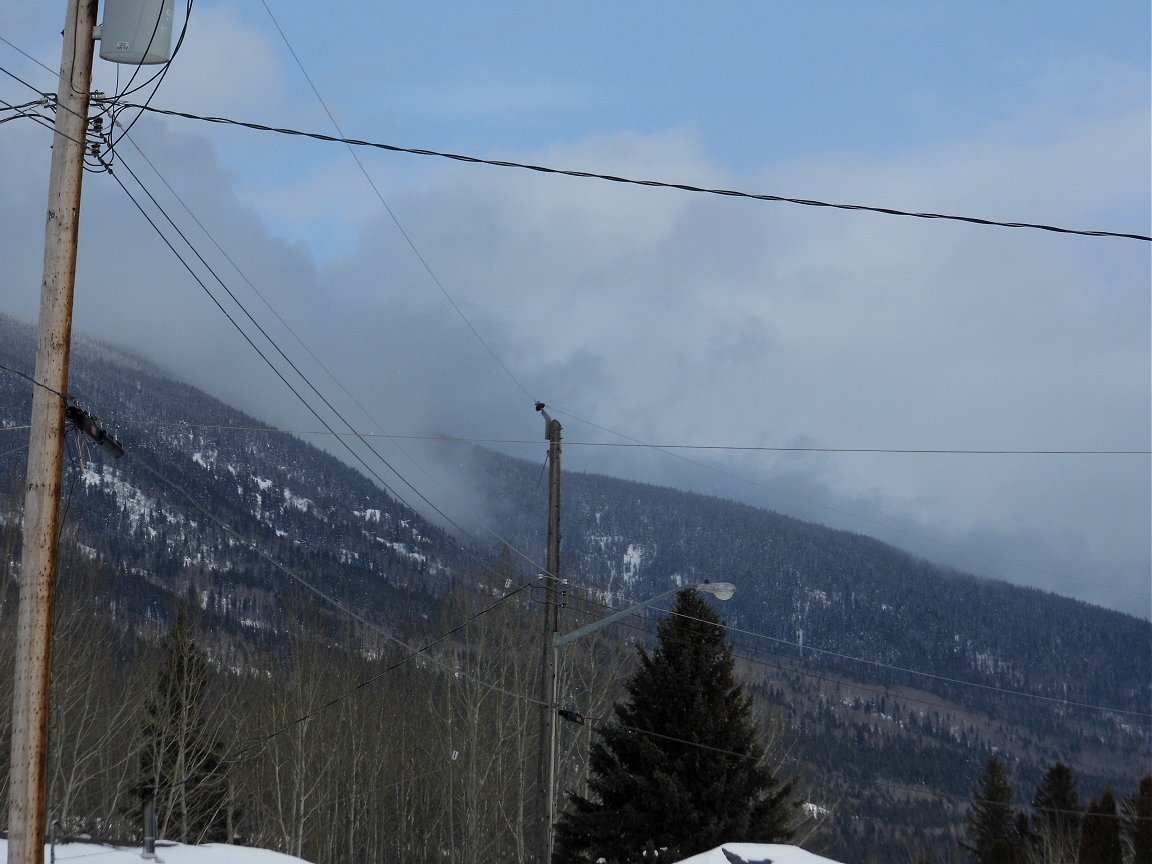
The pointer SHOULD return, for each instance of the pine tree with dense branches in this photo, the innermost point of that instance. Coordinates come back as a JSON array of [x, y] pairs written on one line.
[[1057, 813], [1100, 832], [993, 828], [1139, 822], [682, 770]]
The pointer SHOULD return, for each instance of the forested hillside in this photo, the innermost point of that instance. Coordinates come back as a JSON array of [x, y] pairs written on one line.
[[897, 677], [884, 681]]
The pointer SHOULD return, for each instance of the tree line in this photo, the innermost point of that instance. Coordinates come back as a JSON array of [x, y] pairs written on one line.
[[1060, 828], [342, 746]]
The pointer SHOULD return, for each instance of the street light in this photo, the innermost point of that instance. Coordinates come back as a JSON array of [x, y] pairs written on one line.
[[719, 590]]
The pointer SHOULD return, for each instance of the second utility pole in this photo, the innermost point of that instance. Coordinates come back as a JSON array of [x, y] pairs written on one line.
[[548, 680], [27, 812]]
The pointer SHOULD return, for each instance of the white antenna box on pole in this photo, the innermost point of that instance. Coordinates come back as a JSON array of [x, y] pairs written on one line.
[[138, 32]]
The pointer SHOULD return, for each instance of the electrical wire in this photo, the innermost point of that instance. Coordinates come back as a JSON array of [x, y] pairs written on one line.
[[342, 607], [413, 653], [16, 77], [684, 187], [399, 227], [794, 668], [638, 443], [53, 104], [809, 501], [505, 542], [791, 644], [158, 78], [21, 111], [275, 369], [36, 383], [729, 448], [36, 117], [600, 721], [921, 791], [19, 50], [877, 664], [838, 510], [722, 472]]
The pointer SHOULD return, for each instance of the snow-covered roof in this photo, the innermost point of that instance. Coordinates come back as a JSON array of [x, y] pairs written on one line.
[[174, 853], [757, 853]]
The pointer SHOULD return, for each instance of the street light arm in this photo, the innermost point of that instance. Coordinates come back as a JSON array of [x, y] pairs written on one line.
[[564, 639], [721, 590]]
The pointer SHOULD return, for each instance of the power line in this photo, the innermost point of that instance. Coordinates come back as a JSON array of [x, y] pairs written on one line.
[[396, 221], [733, 448], [722, 472], [17, 78], [526, 557], [684, 187], [51, 98], [19, 50], [413, 653], [828, 507], [819, 504], [339, 605], [299, 340], [887, 666], [158, 77], [21, 112], [278, 372], [36, 383], [634, 443]]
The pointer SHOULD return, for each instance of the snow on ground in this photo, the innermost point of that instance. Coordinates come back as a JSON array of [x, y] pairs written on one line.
[[219, 853], [757, 853], [176, 853]]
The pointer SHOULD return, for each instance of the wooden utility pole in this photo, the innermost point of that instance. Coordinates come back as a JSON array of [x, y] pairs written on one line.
[[27, 794], [548, 679]]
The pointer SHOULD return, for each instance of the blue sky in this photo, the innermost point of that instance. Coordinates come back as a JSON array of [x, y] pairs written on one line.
[[669, 317]]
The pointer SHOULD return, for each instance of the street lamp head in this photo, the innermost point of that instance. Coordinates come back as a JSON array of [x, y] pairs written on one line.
[[719, 590]]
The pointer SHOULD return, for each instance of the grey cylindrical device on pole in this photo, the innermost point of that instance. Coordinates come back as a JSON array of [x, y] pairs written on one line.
[[136, 32], [26, 786]]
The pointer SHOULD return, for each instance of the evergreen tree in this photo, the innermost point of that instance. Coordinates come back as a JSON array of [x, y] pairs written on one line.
[[1057, 812], [992, 823], [1140, 822], [180, 765], [682, 771], [1100, 832]]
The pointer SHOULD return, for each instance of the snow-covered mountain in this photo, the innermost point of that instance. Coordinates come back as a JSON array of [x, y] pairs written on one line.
[[887, 668]]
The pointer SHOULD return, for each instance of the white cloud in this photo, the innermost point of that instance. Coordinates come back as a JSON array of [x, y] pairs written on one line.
[[673, 317]]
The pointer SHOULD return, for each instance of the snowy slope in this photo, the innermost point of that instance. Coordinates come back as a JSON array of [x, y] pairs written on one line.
[[210, 853], [757, 853]]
